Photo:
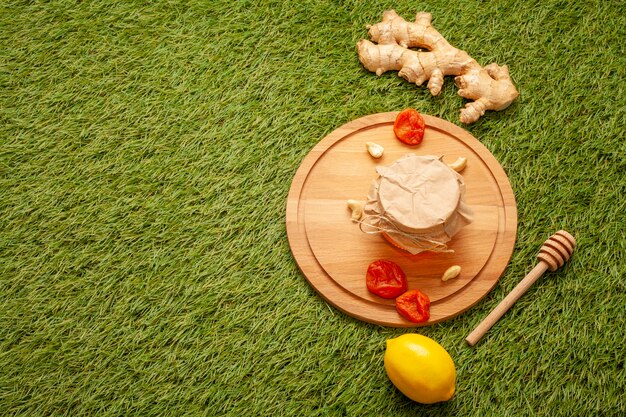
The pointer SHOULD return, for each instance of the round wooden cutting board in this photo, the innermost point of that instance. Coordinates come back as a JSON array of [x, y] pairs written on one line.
[[333, 253]]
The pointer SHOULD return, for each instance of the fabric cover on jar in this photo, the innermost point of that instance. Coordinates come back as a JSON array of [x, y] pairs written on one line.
[[418, 202]]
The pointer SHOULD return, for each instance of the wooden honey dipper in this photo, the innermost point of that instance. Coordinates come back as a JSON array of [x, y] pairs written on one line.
[[553, 254]]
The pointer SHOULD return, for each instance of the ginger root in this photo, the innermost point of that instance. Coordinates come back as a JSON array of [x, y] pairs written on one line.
[[490, 87]]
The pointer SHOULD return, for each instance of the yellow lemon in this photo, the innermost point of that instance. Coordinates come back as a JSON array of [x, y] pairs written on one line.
[[420, 368]]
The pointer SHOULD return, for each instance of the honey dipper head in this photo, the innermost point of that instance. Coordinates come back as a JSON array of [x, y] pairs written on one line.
[[557, 249]]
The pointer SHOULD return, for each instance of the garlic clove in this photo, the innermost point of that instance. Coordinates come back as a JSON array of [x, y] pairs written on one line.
[[374, 149], [459, 165], [357, 209], [451, 272]]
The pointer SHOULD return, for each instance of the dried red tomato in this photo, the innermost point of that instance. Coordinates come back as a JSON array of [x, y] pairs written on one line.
[[414, 306], [409, 127], [386, 279]]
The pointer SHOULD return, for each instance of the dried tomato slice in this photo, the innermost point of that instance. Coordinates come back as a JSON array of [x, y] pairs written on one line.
[[386, 279], [409, 127], [414, 306]]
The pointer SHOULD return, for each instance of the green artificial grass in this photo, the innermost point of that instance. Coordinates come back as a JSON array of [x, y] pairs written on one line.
[[146, 153]]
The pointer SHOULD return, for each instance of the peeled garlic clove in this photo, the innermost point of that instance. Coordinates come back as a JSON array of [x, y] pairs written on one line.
[[459, 164], [357, 209], [451, 272], [374, 149]]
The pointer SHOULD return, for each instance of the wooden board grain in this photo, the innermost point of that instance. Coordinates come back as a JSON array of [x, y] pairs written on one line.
[[333, 253]]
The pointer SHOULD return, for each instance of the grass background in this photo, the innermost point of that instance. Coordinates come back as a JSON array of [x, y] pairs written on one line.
[[147, 149]]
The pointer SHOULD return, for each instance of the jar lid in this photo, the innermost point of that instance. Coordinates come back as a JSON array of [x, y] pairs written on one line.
[[418, 193]]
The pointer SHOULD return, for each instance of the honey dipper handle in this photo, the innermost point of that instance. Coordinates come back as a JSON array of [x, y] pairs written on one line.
[[505, 304]]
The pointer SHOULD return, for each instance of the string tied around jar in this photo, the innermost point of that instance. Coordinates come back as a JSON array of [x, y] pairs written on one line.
[[374, 224]]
